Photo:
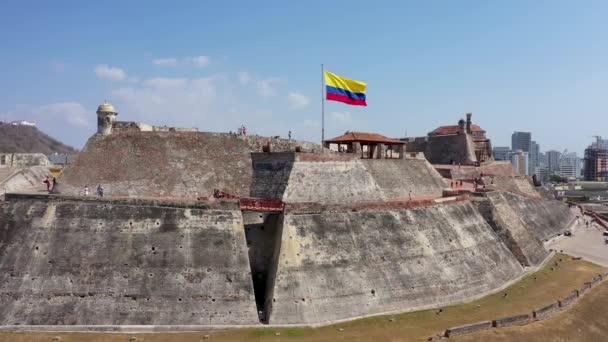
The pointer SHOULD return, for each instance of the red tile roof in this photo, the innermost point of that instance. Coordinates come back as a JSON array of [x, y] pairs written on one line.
[[364, 137], [453, 129]]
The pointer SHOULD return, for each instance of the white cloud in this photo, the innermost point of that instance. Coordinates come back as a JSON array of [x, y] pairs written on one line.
[[266, 87], [197, 61], [110, 73], [311, 123], [73, 113], [173, 101], [244, 77], [297, 100], [161, 82], [165, 61], [340, 117]]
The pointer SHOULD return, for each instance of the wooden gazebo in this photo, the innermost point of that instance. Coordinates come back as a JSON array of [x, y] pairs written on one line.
[[368, 145]]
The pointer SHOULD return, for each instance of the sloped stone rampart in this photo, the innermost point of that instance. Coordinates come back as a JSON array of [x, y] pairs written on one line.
[[336, 179], [24, 179], [396, 178], [168, 164], [514, 231], [545, 219], [340, 265], [93, 262]]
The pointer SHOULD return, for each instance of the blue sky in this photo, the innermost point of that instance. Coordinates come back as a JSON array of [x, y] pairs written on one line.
[[538, 66]]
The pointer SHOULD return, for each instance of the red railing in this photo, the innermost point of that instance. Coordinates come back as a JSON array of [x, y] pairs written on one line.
[[261, 204]]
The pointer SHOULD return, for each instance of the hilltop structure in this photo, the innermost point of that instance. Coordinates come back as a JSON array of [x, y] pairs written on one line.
[[464, 144], [223, 229]]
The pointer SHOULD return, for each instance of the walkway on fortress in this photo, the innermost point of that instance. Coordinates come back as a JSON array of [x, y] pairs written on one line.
[[585, 242]]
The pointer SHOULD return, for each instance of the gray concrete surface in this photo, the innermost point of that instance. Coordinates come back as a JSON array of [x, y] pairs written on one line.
[[587, 243]]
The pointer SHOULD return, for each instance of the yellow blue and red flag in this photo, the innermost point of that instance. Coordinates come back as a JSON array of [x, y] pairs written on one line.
[[345, 90]]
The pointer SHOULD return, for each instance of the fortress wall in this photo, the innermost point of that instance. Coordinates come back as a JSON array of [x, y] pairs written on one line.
[[331, 182], [271, 173], [495, 168], [396, 178], [103, 262], [543, 218], [514, 232], [344, 264], [26, 179], [446, 149], [338, 179], [169, 164]]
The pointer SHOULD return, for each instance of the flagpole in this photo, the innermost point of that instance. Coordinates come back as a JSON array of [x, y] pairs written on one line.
[[322, 107]]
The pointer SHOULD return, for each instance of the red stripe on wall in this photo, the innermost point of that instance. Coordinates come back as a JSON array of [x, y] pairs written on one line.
[[345, 99]]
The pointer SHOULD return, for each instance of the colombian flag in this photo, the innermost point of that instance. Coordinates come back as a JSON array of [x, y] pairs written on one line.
[[344, 90]]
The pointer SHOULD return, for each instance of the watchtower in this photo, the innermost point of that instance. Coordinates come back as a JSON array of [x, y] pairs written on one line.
[[106, 115]]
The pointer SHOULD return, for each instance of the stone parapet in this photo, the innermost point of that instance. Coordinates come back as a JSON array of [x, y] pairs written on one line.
[[468, 328]]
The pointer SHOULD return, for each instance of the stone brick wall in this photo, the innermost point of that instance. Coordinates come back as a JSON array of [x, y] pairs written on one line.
[[23, 159], [167, 164], [92, 262], [344, 264], [511, 321], [341, 179], [468, 328]]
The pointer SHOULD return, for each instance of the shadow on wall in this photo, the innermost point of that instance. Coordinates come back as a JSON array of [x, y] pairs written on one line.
[[271, 173], [263, 234]]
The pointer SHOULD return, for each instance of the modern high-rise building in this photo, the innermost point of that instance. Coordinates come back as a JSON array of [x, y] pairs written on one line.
[[519, 160], [596, 161], [570, 165], [521, 141], [553, 161], [501, 152], [533, 155]]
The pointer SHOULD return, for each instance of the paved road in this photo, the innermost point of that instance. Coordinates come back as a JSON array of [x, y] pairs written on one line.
[[585, 242]]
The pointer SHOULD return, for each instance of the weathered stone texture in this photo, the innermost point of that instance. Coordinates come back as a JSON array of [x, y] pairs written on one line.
[[297, 178], [396, 178], [543, 218], [511, 320], [515, 233], [338, 265], [545, 311], [23, 179], [567, 300], [96, 262], [469, 328], [23, 159], [167, 164]]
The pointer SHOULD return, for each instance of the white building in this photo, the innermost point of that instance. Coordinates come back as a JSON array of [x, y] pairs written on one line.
[[570, 165], [519, 160], [23, 123]]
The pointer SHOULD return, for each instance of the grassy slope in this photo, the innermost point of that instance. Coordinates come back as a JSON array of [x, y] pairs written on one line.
[[543, 287]]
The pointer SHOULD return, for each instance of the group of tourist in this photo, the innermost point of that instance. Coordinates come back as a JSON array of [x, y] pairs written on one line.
[[99, 190], [50, 183]]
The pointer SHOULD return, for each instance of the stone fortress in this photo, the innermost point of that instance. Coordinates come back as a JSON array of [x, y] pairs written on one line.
[[218, 229]]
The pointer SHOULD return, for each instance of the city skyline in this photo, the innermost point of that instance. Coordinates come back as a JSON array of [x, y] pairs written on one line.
[[260, 66]]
